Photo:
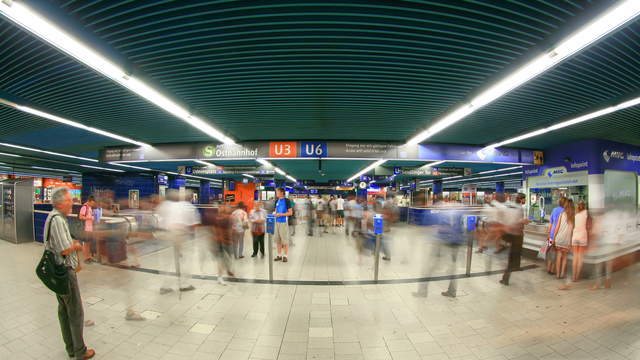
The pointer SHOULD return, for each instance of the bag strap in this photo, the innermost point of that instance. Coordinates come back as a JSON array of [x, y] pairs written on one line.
[[49, 228]]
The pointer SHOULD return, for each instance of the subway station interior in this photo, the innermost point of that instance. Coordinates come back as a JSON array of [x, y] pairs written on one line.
[[293, 179]]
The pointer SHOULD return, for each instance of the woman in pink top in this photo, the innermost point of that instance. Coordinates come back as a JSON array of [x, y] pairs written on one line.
[[86, 216], [579, 241]]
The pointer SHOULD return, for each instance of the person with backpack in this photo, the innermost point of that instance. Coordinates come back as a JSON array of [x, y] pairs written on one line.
[[283, 209], [58, 240]]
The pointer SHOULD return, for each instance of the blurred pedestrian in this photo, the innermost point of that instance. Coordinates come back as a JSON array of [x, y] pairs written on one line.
[[449, 232], [513, 229], [176, 220], [221, 245]]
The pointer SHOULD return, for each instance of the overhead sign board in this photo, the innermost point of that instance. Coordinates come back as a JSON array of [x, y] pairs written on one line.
[[316, 149], [225, 170], [431, 171]]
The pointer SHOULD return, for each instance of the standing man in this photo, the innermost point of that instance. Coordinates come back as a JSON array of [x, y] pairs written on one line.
[[258, 217], [58, 240], [282, 211], [340, 211], [514, 221], [86, 216]]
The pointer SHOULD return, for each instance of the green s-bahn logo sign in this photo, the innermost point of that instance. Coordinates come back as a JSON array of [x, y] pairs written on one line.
[[229, 151]]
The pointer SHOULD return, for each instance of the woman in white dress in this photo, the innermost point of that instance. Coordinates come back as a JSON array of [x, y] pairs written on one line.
[[562, 238]]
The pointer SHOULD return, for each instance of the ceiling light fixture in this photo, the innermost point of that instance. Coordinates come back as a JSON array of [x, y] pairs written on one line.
[[609, 21], [483, 177], [579, 119], [291, 178], [203, 163], [46, 151], [249, 176], [73, 123], [367, 169], [30, 20], [52, 169], [131, 166], [498, 170], [7, 154], [101, 168]]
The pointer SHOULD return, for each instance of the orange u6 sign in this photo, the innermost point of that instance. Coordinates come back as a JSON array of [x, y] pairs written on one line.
[[284, 149]]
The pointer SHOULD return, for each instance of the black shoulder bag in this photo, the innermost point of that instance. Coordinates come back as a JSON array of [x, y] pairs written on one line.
[[53, 275]]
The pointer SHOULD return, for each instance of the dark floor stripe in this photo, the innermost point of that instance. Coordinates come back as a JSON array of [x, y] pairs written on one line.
[[329, 282]]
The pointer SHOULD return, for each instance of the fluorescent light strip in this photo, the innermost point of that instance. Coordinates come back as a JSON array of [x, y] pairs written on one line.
[[77, 125], [277, 169], [367, 169], [101, 168], [483, 177], [203, 163], [30, 20], [498, 170], [132, 167], [11, 155], [52, 169], [612, 19], [249, 176], [579, 119], [45, 151]]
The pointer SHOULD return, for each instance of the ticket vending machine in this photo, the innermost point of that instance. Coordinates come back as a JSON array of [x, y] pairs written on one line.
[[16, 210]]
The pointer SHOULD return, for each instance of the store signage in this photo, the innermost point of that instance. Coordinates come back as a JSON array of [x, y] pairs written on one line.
[[557, 177], [430, 171], [316, 149]]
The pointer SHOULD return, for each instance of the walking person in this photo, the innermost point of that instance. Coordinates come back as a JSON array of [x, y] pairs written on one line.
[[221, 244], [293, 221], [310, 215], [88, 240], [513, 229], [563, 235], [258, 218], [240, 225], [333, 211], [58, 240], [176, 219], [283, 210], [449, 232]]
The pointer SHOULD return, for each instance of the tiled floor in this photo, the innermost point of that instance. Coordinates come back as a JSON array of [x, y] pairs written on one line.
[[531, 319]]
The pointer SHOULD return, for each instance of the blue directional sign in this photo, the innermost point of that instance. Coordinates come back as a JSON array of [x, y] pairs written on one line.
[[313, 149], [471, 223], [271, 224], [378, 224]]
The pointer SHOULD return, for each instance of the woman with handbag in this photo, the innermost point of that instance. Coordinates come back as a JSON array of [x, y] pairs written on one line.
[[240, 225], [562, 237], [258, 218]]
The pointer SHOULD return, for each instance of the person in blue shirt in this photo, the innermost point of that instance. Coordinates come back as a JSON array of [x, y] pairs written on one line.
[[553, 222], [283, 209]]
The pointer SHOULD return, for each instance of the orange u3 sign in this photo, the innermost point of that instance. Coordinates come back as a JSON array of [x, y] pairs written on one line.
[[284, 149]]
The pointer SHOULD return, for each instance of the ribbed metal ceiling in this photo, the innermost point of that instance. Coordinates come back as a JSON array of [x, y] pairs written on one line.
[[350, 70]]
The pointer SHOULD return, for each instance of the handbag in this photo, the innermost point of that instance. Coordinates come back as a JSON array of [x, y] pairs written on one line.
[[53, 275]]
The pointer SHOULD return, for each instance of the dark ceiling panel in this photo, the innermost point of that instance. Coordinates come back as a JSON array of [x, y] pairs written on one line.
[[598, 77]]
